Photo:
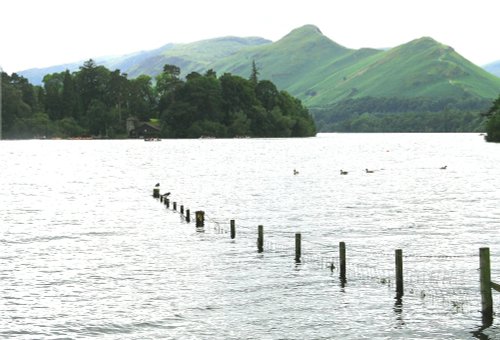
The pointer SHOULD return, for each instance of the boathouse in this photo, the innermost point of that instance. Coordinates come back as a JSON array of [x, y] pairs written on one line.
[[138, 129]]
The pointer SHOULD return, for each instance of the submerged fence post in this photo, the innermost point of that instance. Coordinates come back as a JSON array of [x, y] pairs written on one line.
[[188, 216], [298, 250], [200, 219], [182, 209], [485, 278], [399, 272], [167, 203], [156, 192], [260, 239], [233, 229], [175, 205], [342, 261]]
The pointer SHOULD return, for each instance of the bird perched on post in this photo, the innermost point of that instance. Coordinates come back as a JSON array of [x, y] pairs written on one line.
[[166, 194], [157, 185]]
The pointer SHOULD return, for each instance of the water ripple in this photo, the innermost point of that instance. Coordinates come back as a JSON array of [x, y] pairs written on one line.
[[86, 251]]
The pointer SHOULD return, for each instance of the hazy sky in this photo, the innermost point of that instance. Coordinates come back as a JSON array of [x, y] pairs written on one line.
[[40, 33]]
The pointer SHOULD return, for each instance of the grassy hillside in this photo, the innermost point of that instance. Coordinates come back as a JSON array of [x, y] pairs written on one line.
[[198, 56], [321, 72], [296, 63], [421, 68]]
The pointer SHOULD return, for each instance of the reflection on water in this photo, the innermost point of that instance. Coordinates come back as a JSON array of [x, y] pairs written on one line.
[[398, 311], [86, 251], [486, 324]]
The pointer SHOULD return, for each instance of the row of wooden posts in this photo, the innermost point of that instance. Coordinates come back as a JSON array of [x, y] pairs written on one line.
[[484, 258]]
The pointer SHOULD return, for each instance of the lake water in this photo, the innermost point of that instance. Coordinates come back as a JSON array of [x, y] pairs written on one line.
[[86, 252]]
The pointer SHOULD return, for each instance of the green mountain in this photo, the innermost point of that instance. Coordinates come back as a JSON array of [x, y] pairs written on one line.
[[198, 56], [321, 72], [316, 69], [298, 62], [336, 83]]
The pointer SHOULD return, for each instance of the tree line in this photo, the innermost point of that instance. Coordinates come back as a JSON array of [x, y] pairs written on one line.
[[493, 124], [95, 101], [382, 114]]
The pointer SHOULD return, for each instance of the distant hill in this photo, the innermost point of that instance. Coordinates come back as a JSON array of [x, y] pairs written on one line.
[[196, 56], [35, 75], [493, 68]]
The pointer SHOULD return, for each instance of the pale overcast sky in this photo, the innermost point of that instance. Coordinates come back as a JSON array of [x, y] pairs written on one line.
[[40, 33]]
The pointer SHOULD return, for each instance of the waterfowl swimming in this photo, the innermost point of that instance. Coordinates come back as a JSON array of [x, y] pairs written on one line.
[[342, 172], [444, 167], [369, 171], [295, 172]]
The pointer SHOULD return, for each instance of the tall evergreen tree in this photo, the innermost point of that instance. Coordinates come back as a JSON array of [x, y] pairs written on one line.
[[254, 76]]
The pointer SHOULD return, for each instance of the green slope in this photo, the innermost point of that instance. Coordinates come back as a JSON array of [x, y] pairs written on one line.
[[197, 56], [420, 68], [321, 72], [296, 62]]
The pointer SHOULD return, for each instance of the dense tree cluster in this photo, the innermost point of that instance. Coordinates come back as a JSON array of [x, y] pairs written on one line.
[[229, 106], [95, 101], [370, 114], [493, 124]]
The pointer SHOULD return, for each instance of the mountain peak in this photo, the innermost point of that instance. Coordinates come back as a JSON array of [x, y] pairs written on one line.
[[310, 37], [309, 28], [422, 46], [306, 30], [425, 42]]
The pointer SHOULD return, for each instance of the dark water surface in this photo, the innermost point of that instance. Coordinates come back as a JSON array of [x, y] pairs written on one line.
[[86, 252]]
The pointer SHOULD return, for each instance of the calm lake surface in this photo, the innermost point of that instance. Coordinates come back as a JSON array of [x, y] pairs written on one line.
[[86, 252]]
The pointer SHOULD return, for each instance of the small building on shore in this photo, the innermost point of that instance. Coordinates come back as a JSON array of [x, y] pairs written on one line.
[[137, 129]]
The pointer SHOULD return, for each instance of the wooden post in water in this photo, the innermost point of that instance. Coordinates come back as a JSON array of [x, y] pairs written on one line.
[[167, 203], [233, 229], [161, 199], [485, 278], [298, 250], [156, 192], [175, 205], [260, 239], [342, 261], [399, 273], [182, 209], [188, 216], [200, 219]]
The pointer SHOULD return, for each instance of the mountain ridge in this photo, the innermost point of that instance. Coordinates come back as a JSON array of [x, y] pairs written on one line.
[[320, 71]]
